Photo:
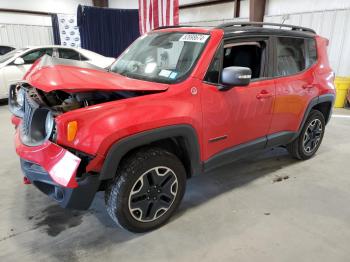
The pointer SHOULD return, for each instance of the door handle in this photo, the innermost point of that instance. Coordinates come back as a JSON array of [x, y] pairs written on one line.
[[308, 86], [264, 94]]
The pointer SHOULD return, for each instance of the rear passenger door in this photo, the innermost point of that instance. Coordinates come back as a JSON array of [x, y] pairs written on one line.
[[295, 84]]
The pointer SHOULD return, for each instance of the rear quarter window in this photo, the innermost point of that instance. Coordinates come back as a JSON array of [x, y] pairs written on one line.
[[294, 55], [311, 51]]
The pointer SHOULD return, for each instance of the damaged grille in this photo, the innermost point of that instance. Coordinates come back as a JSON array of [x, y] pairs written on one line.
[[37, 123], [29, 108]]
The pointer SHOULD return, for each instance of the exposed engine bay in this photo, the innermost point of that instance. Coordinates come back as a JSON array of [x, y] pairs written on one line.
[[60, 101], [38, 109]]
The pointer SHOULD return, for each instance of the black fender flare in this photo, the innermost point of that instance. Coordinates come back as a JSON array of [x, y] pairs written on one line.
[[124, 145], [315, 101]]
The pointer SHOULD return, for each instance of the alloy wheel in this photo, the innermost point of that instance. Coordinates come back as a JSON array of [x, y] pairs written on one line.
[[153, 194], [312, 135]]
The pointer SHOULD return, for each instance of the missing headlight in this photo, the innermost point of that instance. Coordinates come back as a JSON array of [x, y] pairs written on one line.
[[16, 100], [39, 129]]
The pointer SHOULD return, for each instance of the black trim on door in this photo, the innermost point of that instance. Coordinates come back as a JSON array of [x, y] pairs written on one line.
[[234, 153], [229, 155], [273, 140]]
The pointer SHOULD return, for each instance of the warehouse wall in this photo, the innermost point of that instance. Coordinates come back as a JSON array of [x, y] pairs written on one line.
[[51, 6], [280, 7], [329, 19], [124, 4], [20, 29], [331, 24]]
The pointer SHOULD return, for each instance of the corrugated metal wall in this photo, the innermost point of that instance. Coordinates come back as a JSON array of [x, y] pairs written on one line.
[[19, 35], [332, 24]]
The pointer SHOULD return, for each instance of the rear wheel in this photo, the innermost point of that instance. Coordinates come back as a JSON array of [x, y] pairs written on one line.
[[147, 190], [310, 137]]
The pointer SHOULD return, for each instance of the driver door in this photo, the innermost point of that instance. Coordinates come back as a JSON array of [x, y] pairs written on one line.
[[239, 117]]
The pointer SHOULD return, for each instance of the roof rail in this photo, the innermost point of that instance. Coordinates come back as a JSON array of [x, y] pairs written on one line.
[[238, 24], [176, 26]]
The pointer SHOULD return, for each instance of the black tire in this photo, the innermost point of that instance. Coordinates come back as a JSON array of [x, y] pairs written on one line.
[[131, 199], [305, 149]]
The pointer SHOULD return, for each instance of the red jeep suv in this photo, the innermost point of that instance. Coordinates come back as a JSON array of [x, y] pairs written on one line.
[[178, 102]]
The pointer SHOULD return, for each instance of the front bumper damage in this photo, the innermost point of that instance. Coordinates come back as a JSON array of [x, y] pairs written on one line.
[[52, 169]]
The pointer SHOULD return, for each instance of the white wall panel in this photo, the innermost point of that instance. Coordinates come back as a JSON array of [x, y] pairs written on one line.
[[20, 29], [24, 19], [52, 6], [330, 19], [17, 35], [212, 14], [281, 7], [333, 25], [207, 13], [124, 4]]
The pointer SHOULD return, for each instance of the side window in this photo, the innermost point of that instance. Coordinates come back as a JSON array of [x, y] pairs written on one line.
[[290, 56], [311, 51], [68, 54], [48, 51], [246, 54], [243, 54], [213, 73], [30, 57], [83, 58]]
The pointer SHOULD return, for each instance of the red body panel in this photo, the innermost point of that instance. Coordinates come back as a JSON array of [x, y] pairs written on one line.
[[75, 79], [102, 125], [294, 93], [241, 114], [57, 161], [291, 101]]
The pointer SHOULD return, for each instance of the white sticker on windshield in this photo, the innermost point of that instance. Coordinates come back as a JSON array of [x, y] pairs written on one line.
[[165, 73], [199, 38], [173, 75]]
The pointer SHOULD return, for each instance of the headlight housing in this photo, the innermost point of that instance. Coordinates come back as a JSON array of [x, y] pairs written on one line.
[[49, 124], [16, 100], [40, 129], [20, 97]]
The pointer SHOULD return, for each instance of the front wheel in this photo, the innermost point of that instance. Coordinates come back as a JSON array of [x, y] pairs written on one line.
[[310, 137], [147, 190]]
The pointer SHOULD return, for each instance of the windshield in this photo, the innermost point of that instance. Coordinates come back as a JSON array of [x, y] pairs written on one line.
[[161, 57], [11, 54]]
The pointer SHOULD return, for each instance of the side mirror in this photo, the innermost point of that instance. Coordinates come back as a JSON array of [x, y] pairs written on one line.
[[19, 61], [235, 76]]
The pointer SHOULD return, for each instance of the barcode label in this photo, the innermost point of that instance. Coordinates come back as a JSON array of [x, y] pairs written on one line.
[[194, 38]]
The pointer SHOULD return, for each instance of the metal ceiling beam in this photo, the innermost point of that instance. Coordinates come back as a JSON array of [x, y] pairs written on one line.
[[257, 10], [237, 8], [100, 3], [204, 3], [24, 11]]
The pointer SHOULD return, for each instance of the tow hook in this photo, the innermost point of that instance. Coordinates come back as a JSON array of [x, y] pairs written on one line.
[[26, 181]]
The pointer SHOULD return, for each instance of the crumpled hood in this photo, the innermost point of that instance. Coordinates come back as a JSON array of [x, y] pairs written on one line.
[[50, 74]]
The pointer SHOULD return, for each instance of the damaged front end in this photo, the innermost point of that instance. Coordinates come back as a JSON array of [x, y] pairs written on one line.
[[38, 109], [57, 170], [53, 169]]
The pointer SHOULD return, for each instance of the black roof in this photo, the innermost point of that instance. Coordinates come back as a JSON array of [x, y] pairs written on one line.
[[257, 28], [265, 29]]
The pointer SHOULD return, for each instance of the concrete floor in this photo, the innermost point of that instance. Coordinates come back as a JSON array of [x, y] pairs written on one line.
[[237, 213]]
